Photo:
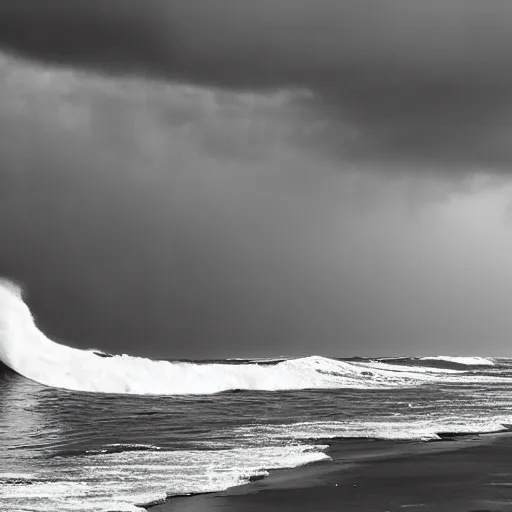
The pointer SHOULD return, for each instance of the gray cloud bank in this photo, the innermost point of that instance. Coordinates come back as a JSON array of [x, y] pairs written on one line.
[[395, 82], [131, 230]]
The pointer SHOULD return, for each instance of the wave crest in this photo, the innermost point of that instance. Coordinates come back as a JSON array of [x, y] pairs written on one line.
[[462, 360], [27, 351]]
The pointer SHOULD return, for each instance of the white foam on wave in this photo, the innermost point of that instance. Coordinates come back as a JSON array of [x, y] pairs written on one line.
[[405, 428], [129, 481], [406, 369], [25, 349], [464, 360]]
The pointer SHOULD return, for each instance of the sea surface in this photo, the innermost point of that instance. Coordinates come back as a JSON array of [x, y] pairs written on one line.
[[63, 450], [82, 430]]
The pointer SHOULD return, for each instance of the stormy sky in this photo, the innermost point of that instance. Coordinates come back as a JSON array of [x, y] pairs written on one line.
[[186, 178]]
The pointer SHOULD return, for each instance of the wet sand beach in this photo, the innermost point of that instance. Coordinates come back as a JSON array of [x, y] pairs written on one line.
[[460, 474]]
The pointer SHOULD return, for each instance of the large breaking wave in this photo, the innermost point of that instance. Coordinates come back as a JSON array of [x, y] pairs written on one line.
[[27, 351]]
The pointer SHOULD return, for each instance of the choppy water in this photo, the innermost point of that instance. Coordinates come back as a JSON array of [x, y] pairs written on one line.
[[74, 451]]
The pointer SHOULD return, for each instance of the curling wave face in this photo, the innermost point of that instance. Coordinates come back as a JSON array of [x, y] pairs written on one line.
[[27, 351]]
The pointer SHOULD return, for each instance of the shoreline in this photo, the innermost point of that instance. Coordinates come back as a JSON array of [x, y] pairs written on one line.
[[460, 473]]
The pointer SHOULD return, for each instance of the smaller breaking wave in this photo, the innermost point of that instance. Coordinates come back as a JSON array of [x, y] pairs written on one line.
[[131, 481], [462, 360], [406, 429]]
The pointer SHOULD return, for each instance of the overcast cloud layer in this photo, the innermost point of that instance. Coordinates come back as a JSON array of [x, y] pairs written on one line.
[[392, 82], [204, 179]]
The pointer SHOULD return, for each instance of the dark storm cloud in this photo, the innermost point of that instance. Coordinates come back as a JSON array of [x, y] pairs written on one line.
[[392, 81], [131, 231]]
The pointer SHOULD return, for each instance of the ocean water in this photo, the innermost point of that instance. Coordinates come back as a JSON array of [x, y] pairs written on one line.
[[86, 431]]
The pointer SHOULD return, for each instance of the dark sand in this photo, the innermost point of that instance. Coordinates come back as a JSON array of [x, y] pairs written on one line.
[[458, 475]]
